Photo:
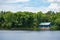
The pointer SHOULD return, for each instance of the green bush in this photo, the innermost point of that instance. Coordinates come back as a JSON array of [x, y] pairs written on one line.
[[54, 27]]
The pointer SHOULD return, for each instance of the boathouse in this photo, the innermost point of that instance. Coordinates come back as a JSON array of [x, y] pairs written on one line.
[[45, 25]]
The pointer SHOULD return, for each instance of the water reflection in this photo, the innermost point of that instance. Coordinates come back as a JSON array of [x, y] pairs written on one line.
[[29, 35]]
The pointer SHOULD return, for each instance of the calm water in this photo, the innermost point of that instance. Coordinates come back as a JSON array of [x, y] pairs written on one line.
[[29, 35]]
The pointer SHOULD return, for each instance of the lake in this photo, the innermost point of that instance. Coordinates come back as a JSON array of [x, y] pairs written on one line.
[[29, 35]]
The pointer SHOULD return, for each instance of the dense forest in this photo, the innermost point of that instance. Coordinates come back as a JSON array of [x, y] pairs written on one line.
[[28, 20]]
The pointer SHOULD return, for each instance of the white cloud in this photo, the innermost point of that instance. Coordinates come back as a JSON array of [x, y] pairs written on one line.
[[10, 7], [54, 5], [25, 7], [22, 8], [53, 0], [13, 1], [14, 8]]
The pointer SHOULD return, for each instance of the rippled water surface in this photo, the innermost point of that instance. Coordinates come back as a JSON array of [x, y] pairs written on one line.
[[29, 35]]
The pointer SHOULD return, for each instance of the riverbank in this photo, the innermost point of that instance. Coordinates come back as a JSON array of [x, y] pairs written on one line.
[[27, 29]]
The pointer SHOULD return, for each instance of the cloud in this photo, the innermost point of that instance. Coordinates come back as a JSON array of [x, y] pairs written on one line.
[[54, 5], [31, 6], [53, 0], [10, 7], [15, 8], [13, 1]]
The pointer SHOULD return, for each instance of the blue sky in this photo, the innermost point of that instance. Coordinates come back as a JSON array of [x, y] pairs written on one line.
[[30, 5]]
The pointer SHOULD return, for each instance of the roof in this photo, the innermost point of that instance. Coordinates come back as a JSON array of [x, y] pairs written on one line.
[[45, 23]]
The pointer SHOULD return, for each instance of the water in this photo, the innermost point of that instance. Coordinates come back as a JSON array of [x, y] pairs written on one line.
[[29, 35]]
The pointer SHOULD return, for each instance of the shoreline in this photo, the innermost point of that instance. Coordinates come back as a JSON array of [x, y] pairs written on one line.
[[29, 29]]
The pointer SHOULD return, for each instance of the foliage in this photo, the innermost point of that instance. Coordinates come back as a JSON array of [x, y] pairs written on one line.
[[17, 20], [54, 27]]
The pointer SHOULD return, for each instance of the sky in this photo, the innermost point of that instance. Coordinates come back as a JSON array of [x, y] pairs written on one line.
[[30, 5]]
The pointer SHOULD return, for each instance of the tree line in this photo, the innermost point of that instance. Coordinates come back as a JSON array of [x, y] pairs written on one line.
[[28, 20]]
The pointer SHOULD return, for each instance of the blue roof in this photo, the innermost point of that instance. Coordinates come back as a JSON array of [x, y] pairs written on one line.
[[45, 23]]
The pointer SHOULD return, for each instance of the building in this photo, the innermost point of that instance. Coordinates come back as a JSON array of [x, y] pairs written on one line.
[[45, 25]]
